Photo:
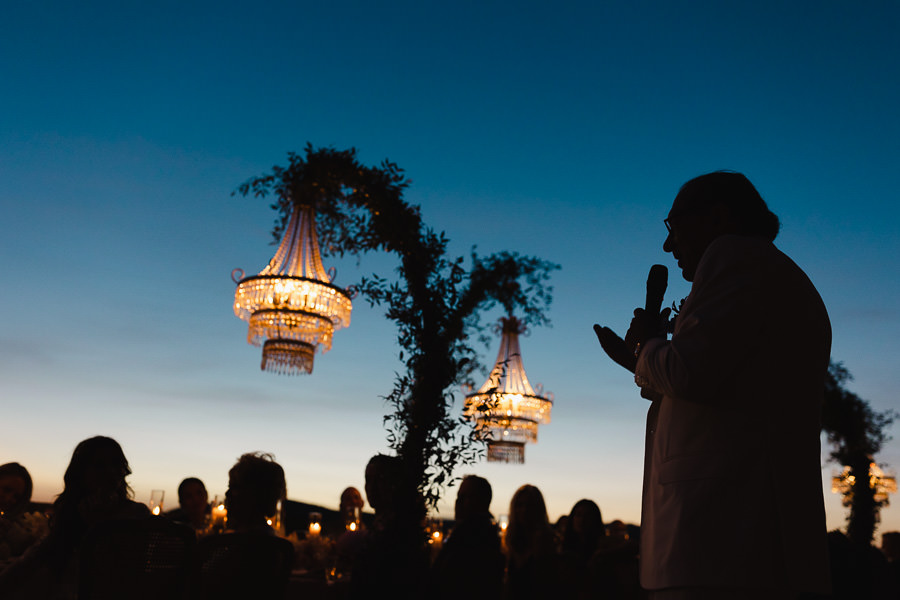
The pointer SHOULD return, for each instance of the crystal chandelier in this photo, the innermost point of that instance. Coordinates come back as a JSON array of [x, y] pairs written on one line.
[[882, 485], [507, 407], [292, 307]]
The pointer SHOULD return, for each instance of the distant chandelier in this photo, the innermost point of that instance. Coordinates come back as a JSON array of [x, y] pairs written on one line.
[[507, 407], [292, 307], [882, 485]]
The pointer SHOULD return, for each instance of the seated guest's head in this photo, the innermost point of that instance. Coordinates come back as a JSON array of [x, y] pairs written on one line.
[[584, 529], [193, 499], [890, 545], [529, 529], [473, 498], [384, 477], [351, 503], [255, 485], [98, 468], [15, 489]]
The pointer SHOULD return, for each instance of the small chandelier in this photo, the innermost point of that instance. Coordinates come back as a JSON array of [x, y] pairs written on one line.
[[882, 485], [507, 407], [292, 307]]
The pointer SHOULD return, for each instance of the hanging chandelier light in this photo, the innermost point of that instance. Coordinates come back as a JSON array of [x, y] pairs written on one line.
[[507, 407], [882, 485], [292, 307]]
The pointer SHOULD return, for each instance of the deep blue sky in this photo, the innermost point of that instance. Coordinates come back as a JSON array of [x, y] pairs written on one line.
[[561, 131]]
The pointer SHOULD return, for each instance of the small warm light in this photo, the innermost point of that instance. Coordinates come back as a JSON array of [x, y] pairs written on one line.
[[352, 526], [436, 535], [315, 523], [156, 510], [269, 522], [219, 515]]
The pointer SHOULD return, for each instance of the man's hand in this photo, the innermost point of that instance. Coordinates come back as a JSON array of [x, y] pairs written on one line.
[[615, 347], [643, 327]]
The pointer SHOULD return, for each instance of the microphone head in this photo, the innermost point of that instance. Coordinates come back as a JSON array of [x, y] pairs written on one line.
[[658, 277], [657, 281]]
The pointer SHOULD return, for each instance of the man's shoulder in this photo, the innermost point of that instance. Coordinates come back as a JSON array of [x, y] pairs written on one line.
[[745, 253]]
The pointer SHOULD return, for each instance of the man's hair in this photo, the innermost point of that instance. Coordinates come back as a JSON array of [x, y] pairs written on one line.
[[734, 191], [260, 480], [482, 489], [182, 487], [14, 469]]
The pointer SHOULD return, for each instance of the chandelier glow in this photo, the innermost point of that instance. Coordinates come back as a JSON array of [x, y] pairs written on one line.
[[291, 306], [506, 405]]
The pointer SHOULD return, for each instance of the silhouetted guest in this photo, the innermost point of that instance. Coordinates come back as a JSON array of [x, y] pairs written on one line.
[[95, 490], [249, 560], [470, 563], [583, 532], [612, 571], [19, 529], [255, 485], [392, 560], [736, 398], [559, 531], [533, 569], [351, 506], [348, 529], [581, 537], [617, 530], [193, 504], [348, 516]]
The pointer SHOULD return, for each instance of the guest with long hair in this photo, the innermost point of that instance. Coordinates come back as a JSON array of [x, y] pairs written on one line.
[[95, 490], [533, 568]]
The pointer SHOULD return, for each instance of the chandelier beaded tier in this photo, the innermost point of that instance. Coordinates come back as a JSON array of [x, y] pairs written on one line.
[[506, 405], [291, 306]]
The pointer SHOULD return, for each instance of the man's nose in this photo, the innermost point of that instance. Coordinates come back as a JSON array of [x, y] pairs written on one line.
[[668, 244]]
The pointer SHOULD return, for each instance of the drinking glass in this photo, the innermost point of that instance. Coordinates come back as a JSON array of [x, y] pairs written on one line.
[[156, 501]]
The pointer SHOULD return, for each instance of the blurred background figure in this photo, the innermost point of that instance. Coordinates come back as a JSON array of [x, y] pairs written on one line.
[[470, 563], [392, 560], [255, 485], [193, 504], [95, 490], [249, 560], [612, 572], [533, 569], [351, 508], [348, 516], [582, 535], [348, 531], [19, 527]]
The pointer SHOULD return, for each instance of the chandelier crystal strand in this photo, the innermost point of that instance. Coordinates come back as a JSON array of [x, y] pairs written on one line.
[[291, 306], [506, 406]]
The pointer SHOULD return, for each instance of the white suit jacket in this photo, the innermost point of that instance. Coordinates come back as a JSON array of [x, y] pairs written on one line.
[[732, 475]]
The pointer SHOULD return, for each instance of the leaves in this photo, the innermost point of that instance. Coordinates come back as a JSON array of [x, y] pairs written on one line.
[[433, 300]]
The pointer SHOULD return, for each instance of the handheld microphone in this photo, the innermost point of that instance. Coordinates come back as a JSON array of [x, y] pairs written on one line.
[[657, 281]]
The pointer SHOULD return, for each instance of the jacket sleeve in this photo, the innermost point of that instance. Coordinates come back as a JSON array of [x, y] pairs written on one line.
[[709, 344]]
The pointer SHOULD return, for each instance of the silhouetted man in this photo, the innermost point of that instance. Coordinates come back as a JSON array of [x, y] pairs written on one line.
[[470, 564], [392, 561], [732, 501], [193, 504]]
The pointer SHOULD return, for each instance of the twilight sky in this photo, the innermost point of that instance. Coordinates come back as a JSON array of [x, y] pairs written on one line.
[[560, 132]]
